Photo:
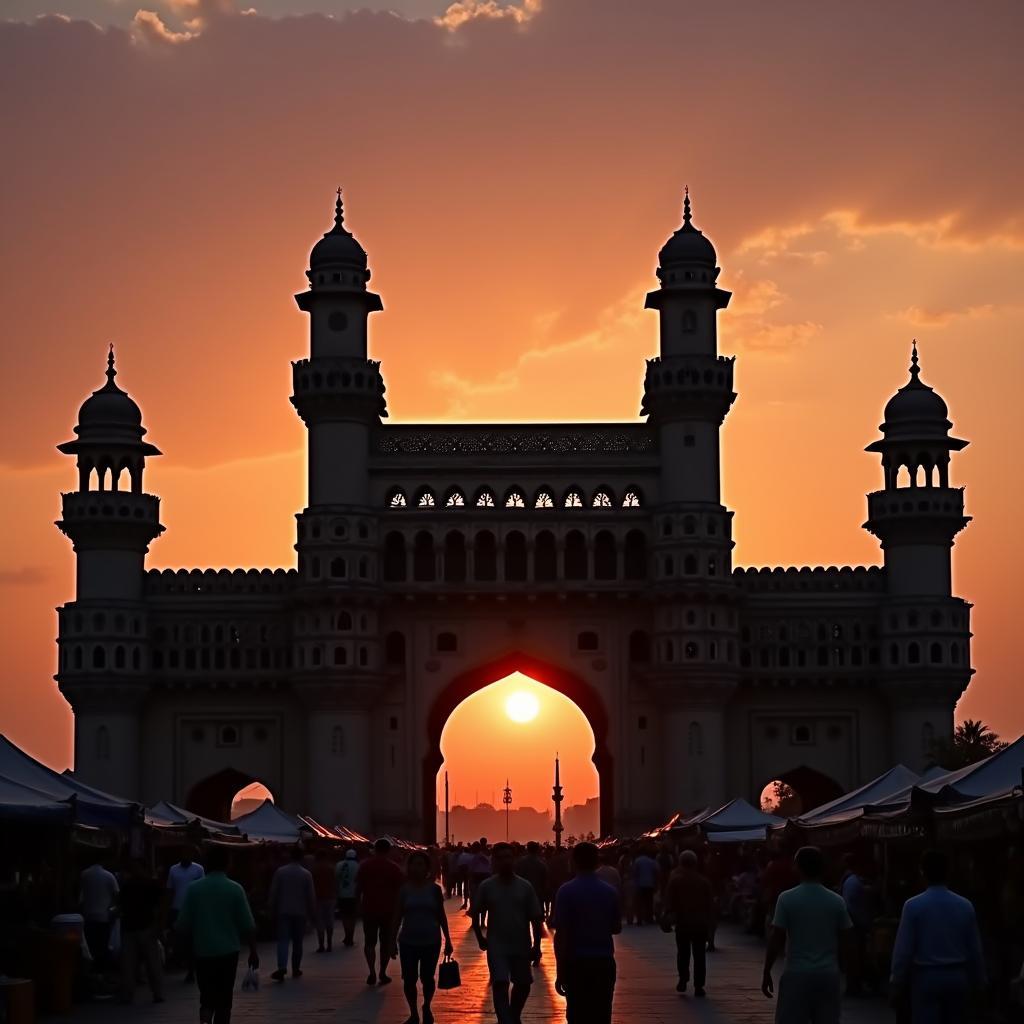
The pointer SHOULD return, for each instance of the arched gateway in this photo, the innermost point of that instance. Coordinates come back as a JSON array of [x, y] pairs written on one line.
[[434, 558]]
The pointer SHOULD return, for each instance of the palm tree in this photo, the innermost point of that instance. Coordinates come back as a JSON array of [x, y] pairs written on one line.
[[972, 741]]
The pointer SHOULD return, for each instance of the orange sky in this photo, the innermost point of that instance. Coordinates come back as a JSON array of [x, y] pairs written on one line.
[[512, 179]]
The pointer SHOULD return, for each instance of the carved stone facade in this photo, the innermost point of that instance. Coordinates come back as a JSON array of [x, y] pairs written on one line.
[[434, 559]]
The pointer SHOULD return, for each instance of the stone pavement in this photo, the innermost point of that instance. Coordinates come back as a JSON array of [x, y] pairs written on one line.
[[333, 989]]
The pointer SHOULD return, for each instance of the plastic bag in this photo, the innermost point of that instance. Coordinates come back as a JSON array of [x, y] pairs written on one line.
[[251, 981], [448, 975]]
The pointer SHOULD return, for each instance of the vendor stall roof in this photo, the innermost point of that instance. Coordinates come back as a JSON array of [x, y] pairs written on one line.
[[164, 813], [996, 774], [272, 825], [878, 791], [91, 806], [734, 816], [22, 804]]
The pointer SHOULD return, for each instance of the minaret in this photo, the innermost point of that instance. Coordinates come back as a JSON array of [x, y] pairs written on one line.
[[924, 629], [111, 522], [556, 798], [688, 390], [339, 393]]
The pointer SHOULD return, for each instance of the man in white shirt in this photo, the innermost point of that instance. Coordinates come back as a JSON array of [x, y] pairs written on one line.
[[97, 895], [179, 878]]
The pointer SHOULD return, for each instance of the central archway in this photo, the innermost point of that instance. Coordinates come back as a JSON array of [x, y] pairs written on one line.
[[567, 683], [214, 796]]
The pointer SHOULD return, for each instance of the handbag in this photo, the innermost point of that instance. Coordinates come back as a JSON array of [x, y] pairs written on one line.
[[448, 975], [251, 981]]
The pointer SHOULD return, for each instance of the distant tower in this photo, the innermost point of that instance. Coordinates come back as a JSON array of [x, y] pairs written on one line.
[[111, 522], [556, 799], [925, 630], [688, 390], [339, 393]]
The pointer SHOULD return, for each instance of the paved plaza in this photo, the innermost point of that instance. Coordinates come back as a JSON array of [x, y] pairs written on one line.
[[333, 989]]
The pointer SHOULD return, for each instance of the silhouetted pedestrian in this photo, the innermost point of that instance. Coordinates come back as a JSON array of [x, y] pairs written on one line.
[[690, 904], [292, 901]]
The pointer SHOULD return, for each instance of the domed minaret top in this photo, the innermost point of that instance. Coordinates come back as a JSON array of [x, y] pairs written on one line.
[[686, 246], [917, 412], [109, 418], [338, 259]]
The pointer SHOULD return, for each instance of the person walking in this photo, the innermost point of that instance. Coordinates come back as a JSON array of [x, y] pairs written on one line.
[[645, 880], [324, 890], [377, 885], [531, 867], [690, 904], [512, 910], [292, 902], [179, 877], [609, 873], [811, 924], [97, 895], [139, 904], [586, 917], [420, 922], [857, 897], [937, 958], [345, 872], [215, 915]]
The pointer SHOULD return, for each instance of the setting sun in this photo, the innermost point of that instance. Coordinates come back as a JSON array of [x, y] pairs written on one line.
[[522, 706]]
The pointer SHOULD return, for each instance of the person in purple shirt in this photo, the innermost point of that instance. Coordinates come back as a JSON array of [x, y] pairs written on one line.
[[937, 957], [587, 915]]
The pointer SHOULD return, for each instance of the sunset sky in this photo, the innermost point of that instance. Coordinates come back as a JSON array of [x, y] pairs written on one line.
[[512, 171]]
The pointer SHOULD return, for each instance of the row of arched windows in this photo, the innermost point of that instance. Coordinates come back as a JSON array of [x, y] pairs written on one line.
[[339, 655], [855, 656], [515, 497], [102, 657], [688, 565], [99, 622], [482, 558], [690, 650], [336, 568]]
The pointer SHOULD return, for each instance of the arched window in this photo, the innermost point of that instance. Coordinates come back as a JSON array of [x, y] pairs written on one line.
[[587, 641], [695, 739], [394, 557], [913, 653], [454, 557], [317, 657], [455, 499], [77, 659], [670, 650], [394, 648], [954, 654], [689, 565], [343, 621], [396, 499], [631, 499], [337, 740], [712, 566], [102, 743], [515, 498], [119, 657], [364, 657], [635, 555], [894, 654], [340, 656], [575, 556], [605, 556], [935, 654], [602, 499], [689, 525], [639, 646], [338, 568], [424, 563], [545, 557], [574, 498], [544, 499], [691, 650], [689, 321], [447, 643], [668, 566], [515, 556], [484, 498], [425, 498], [99, 657], [485, 556]]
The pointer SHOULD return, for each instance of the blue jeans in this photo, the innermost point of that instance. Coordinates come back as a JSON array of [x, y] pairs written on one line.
[[291, 928], [939, 995]]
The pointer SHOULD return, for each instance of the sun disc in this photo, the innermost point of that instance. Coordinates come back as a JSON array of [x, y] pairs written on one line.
[[522, 706]]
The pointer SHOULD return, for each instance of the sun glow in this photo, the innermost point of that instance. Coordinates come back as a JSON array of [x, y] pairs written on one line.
[[522, 706]]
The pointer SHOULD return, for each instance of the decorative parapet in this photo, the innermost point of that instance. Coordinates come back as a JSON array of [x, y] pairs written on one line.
[[805, 578], [220, 581], [516, 439]]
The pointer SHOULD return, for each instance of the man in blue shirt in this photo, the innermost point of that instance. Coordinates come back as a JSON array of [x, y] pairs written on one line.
[[587, 915], [937, 956]]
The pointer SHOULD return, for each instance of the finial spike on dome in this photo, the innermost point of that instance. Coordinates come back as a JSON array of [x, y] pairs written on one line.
[[339, 213], [111, 372], [686, 204], [915, 369]]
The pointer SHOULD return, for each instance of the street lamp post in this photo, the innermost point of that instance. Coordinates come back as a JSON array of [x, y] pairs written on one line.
[[506, 799], [556, 796]]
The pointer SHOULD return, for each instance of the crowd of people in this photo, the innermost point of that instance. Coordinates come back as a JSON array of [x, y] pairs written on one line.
[[515, 896]]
